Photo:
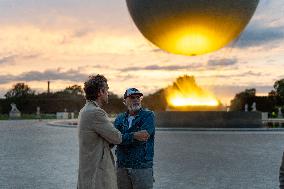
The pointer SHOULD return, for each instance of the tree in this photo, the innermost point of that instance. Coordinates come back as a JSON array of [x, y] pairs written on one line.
[[19, 90], [242, 98], [74, 90], [272, 93], [248, 93], [156, 101], [279, 87]]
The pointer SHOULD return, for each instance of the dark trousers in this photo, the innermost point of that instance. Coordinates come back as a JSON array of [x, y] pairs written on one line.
[[128, 178]]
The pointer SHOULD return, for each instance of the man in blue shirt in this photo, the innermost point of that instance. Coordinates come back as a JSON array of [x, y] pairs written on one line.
[[135, 153]]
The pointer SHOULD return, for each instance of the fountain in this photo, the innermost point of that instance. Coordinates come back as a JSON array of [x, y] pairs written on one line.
[[191, 106]]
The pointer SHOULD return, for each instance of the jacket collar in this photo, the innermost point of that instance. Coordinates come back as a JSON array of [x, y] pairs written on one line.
[[93, 102]]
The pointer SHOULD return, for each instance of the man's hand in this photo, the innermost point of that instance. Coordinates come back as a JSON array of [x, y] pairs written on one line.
[[141, 135]]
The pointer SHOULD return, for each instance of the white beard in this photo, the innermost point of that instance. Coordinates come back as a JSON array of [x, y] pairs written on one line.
[[134, 107]]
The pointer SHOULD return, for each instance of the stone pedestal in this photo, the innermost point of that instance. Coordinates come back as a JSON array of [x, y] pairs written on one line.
[[62, 115], [209, 119]]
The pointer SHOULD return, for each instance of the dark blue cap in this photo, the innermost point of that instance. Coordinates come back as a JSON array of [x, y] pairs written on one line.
[[132, 91]]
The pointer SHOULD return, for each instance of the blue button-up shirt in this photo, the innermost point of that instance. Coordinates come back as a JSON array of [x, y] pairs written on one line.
[[132, 153]]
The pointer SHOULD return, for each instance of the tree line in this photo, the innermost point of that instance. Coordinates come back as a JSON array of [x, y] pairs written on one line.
[[72, 99], [269, 103]]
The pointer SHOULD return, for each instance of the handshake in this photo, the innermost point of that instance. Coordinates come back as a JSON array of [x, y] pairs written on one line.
[[141, 135]]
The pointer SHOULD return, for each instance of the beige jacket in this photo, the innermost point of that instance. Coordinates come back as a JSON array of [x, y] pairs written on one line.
[[96, 163]]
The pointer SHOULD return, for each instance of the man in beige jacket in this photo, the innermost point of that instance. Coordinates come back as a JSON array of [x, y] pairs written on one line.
[[96, 135]]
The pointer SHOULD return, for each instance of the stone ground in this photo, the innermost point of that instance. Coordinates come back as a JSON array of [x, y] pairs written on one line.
[[35, 155]]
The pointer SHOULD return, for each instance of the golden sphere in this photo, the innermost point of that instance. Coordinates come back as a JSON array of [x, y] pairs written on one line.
[[191, 27]]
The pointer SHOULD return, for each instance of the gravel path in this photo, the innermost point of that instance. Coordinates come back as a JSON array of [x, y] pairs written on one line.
[[35, 155]]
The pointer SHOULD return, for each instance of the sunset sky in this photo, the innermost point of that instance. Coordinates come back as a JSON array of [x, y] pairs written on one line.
[[64, 41]]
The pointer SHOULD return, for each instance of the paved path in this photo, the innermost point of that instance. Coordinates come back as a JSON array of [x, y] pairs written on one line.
[[34, 155]]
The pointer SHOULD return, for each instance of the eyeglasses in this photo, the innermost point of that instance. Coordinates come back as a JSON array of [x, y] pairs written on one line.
[[132, 97]]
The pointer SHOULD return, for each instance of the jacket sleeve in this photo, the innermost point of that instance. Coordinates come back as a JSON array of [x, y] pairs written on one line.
[[149, 123], [127, 138], [281, 174], [101, 124]]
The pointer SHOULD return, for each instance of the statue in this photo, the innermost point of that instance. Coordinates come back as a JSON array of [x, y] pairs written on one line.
[[253, 107], [72, 115], [227, 108], [246, 107], [38, 112], [280, 115], [14, 112]]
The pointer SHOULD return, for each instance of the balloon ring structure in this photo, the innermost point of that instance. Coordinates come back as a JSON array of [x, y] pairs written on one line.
[[191, 27]]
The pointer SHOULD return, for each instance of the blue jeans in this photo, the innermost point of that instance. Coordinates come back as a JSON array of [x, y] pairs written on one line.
[[128, 178]]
